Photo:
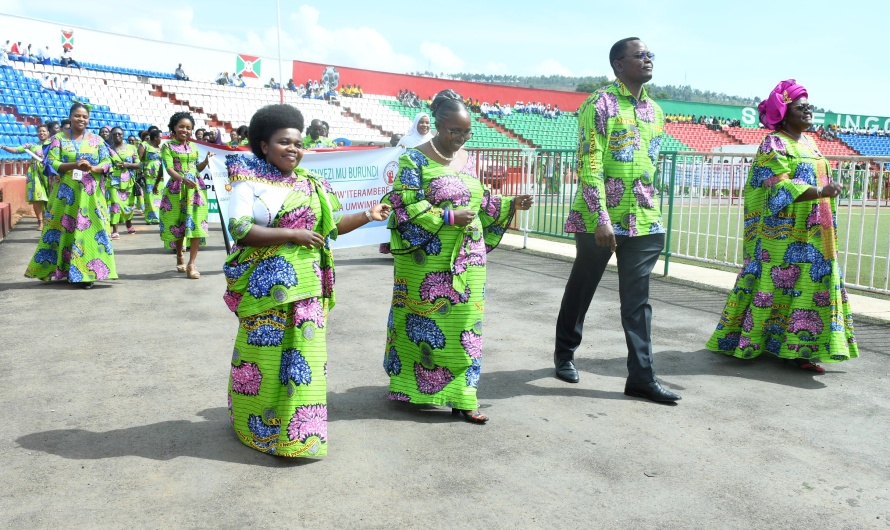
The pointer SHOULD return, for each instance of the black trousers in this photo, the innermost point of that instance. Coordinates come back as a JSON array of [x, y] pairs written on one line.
[[636, 259]]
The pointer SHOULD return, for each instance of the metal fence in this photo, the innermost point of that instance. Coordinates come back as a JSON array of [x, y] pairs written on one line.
[[701, 196]]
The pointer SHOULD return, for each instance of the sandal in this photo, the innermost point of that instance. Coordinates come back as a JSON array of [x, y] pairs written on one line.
[[180, 264], [115, 235], [131, 230], [471, 416], [192, 273], [806, 365]]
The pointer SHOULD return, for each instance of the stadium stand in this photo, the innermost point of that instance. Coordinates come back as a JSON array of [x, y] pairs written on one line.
[[135, 99]]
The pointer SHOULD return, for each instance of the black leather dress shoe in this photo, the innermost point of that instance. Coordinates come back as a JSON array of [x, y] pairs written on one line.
[[565, 370], [652, 391]]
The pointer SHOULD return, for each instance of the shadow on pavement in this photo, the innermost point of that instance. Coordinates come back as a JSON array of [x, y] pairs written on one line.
[[211, 439]]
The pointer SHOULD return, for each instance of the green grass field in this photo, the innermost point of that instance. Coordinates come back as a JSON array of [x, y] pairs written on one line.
[[712, 232]]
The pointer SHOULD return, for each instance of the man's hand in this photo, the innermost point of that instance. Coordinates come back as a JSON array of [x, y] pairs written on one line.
[[605, 237]]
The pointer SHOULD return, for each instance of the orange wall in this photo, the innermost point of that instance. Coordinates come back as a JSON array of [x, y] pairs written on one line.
[[373, 82]]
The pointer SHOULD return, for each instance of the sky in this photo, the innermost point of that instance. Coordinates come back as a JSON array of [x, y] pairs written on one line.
[[711, 45]]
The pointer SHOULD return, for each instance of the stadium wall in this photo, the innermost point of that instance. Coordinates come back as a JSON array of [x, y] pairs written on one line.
[[373, 82]]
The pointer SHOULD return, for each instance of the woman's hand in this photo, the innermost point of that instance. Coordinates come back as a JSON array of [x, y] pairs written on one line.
[[832, 190], [523, 202], [208, 157], [464, 216], [307, 238], [97, 169], [380, 212], [190, 183], [83, 164]]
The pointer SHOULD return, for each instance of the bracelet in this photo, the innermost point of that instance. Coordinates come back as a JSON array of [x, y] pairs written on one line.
[[451, 216], [445, 216], [819, 192], [368, 215]]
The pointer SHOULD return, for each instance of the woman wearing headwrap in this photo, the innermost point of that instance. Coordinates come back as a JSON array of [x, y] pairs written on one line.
[[419, 133], [789, 298]]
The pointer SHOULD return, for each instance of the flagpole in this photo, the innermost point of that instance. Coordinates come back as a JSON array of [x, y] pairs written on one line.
[[280, 75]]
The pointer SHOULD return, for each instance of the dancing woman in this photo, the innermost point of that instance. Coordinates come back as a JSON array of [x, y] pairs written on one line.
[[36, 186]]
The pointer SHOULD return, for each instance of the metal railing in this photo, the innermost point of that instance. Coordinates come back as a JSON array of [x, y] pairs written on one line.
[[702, 200]]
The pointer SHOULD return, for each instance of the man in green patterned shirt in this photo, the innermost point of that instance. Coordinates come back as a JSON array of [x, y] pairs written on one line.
[[616, 211]]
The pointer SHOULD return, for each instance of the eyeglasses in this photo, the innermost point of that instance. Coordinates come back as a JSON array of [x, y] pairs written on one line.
[[641, 56], [463, 134], [804, 107]]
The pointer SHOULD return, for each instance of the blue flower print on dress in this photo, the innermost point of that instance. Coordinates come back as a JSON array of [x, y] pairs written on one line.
[[52, 236], [391, 362], [416, 235], [410, 177], [422, 329], [45, 255], [235, 271], [74, 275], [266, 328], [799, 252], [473, 373], [66, 193], [621, 146], [189, 222], [730, 342], [417, 157], [759, 174], [268, 274], [103, 241], [654, 148], [805, 173], [294, 368], [260, 429], [779, 200]]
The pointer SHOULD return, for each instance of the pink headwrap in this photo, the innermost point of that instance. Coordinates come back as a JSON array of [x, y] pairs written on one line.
[[772, 109]]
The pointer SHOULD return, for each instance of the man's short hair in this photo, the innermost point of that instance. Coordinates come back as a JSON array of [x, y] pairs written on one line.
[[617, 50]]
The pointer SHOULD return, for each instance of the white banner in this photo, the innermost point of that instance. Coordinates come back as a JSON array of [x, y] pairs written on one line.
[[360, 177]]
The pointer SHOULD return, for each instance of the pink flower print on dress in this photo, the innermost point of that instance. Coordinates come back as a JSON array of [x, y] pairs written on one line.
[[472, 252], [83, 222], [174, 186], [437, 285], [399, 207], [246, 379], [204, 226], [99, 268], [645, 194], [308, 310], [806, 320], [309, 420], [822, 298], [747, 320], [68, 223], [178, 231], [472, 343], [232, 300], [763, 300], [614, 191], [785, 278], [491, 204], [198, 200], [575, 223], [302, 217], [591, 196], [88, 183], [771, 143], [115, 208], [432, 381], [449, 188], [305, 186], [66, 255], [165, 204], [94, 140], [326, 276], [606, 107], [645, 111]]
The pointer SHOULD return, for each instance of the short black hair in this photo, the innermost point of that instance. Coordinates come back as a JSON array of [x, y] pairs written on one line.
[[269, 119], [43, 126], [178, 117], [64, 122], [50, 124], [446, 102], [77, 105], [617, 50], [154, 134], [154, 128], [121, 129], [243, 131]]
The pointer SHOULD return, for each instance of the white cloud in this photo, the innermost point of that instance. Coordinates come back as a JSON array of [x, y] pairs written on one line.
[[552, 67], [440, 58]]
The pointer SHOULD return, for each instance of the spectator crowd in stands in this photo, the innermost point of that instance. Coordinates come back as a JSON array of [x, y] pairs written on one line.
[[409, 99]]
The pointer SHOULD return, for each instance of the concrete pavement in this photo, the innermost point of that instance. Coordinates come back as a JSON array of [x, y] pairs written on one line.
[[113, 408]]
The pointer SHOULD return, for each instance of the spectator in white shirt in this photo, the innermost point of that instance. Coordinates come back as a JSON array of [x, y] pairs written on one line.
[[43, 56]]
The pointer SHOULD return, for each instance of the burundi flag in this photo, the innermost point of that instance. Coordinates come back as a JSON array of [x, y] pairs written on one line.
[[248, 66], [67, 39]]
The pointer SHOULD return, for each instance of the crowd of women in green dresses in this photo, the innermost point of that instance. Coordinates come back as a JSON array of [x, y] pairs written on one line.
[[83, 186], [789, 299]]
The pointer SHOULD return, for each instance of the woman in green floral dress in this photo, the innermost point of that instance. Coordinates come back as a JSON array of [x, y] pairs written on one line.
[[789, 298], [280, 283], [150, 154], [183, 208], [121, 188], [75, 244], [444, 223], [36, 184]]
